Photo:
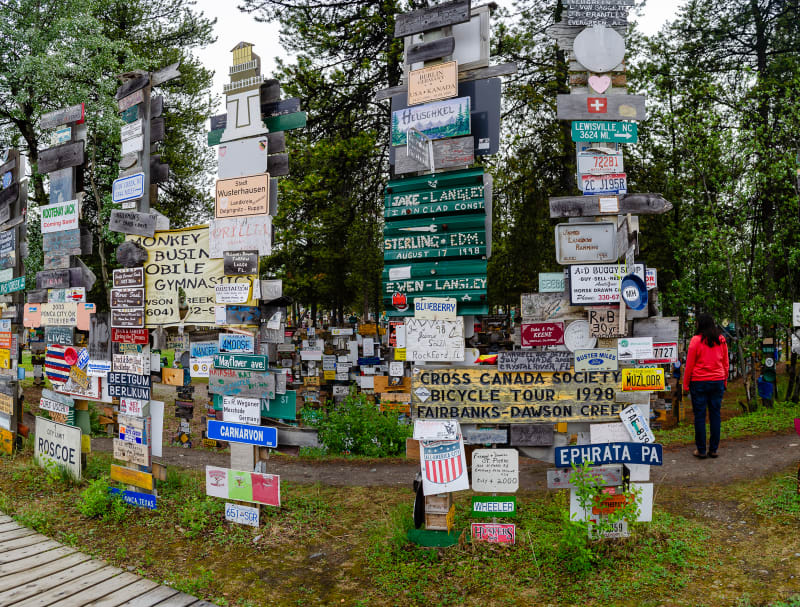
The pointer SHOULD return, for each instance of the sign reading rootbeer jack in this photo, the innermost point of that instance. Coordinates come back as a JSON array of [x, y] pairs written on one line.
[[490, 396]]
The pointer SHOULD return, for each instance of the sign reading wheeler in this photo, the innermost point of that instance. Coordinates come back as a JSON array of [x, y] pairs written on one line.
[[262, 436]]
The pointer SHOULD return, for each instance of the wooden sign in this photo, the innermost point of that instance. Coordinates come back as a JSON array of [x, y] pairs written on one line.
[[127, 297], [59, 445], [435, 340], [493, 533], [531, 435], [425, 19], [590, 242], [135, 453], [605, 476], [487, 396], [484, 436], [6, 441], [603, 359], [67, 242], [433, 49], [601, 107], [438, 120], [249, 384], [128, 277], [165, 74], [129, 476], [61, 157], [6, 404], [286, 122], [495, 470], [420, 239], [433, 83], [53, 279], [240, 234], [127, 317], [651, 380], [604, 322], [133, 222], [74, 113], [609, 453], [589, 206], [236, 263], [661, 329], [542, 334]]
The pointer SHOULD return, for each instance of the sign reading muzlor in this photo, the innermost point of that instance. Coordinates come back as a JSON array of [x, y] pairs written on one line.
[[491, 396]]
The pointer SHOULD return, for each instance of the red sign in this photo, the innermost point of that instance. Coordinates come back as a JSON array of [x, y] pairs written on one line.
[[393, 326], [495, 533], [130, 336], [543, 334], [400, 301], [597, 105], [5, 340]]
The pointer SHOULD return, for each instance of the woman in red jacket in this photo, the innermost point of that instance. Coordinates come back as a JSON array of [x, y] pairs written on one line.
[[706, 377]]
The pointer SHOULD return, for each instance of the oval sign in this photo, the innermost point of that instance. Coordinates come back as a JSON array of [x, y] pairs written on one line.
[[634, 292], [599, 49], [577, 336]]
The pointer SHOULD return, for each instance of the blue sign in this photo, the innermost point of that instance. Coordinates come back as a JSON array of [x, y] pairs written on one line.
[[127, 188], [610, 453], [236, 343], [83, 358], [200, 349], [634, 292], [134, 498], [263, 436], [369, 361]]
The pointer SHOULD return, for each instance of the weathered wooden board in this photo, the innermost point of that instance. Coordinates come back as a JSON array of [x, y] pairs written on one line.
[[132, 477], [531, 435], [61, 157], [435, 49], [131, 86], [159, 171], [165, 73], [270, 91], [55, 578], [133, 222], [74, 113], [425, 19], [601, 107], [65, 594], [156, 106], [278, 165], [9, 195], [661, 329], [42, 546], [53, 279], [156, 130], [447, 153], [589, 206], [530, 360], [280, 108]]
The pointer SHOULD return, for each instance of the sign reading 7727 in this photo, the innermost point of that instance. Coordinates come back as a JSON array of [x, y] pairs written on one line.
[[599, 130]]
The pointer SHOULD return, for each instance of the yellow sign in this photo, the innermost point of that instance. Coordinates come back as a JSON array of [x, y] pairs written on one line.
[[131, 477], [483, 395], [650, 380], [329, 375], [312, 380], [180, 259], [6, 404], [451, 517], [433, 83], [399, 353], [6, 441], [5, 359], [86, 443]]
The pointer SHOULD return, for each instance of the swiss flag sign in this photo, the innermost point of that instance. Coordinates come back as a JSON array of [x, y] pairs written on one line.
[[597, 105]]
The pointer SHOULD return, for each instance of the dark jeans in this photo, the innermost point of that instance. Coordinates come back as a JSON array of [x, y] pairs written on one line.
[[707, 395]]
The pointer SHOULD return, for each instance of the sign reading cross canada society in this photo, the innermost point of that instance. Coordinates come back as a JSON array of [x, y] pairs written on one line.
[[128, 188], [435, 308], [58, 444], [610, 453], [263, 436], [60, 216], [601, 359]]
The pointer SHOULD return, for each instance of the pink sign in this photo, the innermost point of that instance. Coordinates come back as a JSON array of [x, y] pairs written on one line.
[[495, 533], [543, 334]]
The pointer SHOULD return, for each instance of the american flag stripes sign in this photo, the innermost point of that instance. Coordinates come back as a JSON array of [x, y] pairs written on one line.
[[55, 367], [444, 466]]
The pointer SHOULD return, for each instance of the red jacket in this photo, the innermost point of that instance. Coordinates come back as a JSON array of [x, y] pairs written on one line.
[[706, 363]]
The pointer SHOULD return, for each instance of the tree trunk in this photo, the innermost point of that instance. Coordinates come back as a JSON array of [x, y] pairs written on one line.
[[792, 375]]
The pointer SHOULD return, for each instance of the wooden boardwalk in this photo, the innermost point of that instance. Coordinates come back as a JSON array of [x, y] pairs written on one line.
[[36, 571]]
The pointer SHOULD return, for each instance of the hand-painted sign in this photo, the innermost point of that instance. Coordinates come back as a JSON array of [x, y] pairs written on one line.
[[435, 340], [597, 107], [238, 263], [242, 196], [130, 336], [127, 297], [438, 120], [494, 533], [133, 222], [18, 284], [58, 444], [134, 498], [243, 486], [610, 453], [450, 192], [483, 395], [433, 83], [129, 277], [134, 407], [435, 308], [543, 334], [634, 348], [596, 131], [590, 242], [530, 360], [241, 383], [128, 188], [132, 477], [651, 380], [127, 317], [444, 466], [596, 284], [601, 359], [487, 506], [263, 436], [73, 113], [242, 362], [604, 322], [495, 470], [53, 279], [531, 435], [135, 453], [243, 515], [59, 216], [240, 234]]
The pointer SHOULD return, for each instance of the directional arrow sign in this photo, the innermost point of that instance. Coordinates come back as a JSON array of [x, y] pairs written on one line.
[[589, 206], [599, 130]]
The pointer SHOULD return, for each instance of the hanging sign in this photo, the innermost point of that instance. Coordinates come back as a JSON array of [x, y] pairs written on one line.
[[59, 216], [609, 453], [590, 242], [600, 131], [242, 515]]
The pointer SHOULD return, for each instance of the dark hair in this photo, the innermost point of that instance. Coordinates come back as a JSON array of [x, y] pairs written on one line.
[[708, 330]]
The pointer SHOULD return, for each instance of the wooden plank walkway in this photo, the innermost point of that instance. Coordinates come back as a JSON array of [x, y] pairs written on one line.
[[36, 571]]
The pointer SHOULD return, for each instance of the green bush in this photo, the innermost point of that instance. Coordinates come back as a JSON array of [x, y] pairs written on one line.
[[357, 426], [97, 502]]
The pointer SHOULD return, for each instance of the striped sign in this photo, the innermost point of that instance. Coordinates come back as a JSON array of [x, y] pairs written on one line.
[[55, 367]]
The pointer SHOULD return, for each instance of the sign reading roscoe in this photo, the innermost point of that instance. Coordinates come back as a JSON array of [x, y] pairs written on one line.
[[494, 396]]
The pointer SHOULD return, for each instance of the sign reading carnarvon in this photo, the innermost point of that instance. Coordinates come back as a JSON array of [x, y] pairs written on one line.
[[494, 396]]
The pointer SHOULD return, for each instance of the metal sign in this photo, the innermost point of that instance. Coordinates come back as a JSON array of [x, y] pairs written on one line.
[[605, 476], [425, 19], [435, 308], [456, 191], [542, 334], [437, 120], [596, 162], [663, 353], [59, 445], [128, 188], [590, 242], [242, 196], [420, 148], [602, 131], [488, 506], [242, 515], [613, 183], [600, 49], [262, 436], [650, 380], [135, 498], [601, 359], [551, 282], [493, 533], [610, 453]]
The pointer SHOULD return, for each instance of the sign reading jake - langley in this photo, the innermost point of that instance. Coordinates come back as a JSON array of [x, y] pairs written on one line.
[[610, 453], [486, 395]]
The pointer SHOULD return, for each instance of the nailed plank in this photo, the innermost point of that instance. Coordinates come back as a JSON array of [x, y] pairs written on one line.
[[589, 206], [125, 594], [6, 519], [276, 142], [493, 71], [425, 19], [61, 594], [51, 580], [600, 107], [662, 329], [156, 106], [280, 108], [21, 542], [166, 73], [153, 597], [61, 157], [447, 153], [278, 165], [101, 590], [179, 600], [270, 91], [9, 556], [42, 571], [13, 534], [5, 526], [74, 113], [132, 85], [425, 51], [34, 560], [159, 171], [156, 130], [9, 195]]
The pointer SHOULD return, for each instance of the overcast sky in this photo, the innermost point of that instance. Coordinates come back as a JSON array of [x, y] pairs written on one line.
[[233, 26]]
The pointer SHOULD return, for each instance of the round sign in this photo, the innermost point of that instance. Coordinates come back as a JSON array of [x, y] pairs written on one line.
[[577, 336], [599, 49], [634, 292], [70, 356], [769, 362]]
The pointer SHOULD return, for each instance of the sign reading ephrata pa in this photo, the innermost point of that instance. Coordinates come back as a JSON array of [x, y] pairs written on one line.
[[495, 397]]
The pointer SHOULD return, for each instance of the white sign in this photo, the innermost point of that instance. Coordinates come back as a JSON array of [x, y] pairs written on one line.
[[588, 242], [240, 234], [436, 429], [495, 470], [135, 453], [60, 216], [651, 278], [129, 131], [598, 283], [634, 348], [600, 163], [98, 368], [618, 433], [796, 314], [232, 292], [396, 369], [434, 340], [241, 410], [435, 308], [577, 336], [132, 406], [341, 332], [128, 188], [54, 406], [58, 444], [243, 515], [133, 145], [636, 425]]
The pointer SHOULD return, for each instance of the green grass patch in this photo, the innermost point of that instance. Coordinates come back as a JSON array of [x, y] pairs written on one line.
[[780, 500]]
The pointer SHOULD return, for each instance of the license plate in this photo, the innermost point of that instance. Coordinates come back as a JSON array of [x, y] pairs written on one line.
[[614, 183], [600, 163], [664, 353]]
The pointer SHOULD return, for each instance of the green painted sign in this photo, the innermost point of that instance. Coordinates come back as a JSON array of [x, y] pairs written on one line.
[[10, 286], [283, 406], [286, 122], [598, 130], [241, 362], [130, 115], [463, 199], [435, 237], [214, 137], [489, 506]]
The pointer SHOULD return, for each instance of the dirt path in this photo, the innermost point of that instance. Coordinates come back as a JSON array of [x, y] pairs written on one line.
[[738, 460]]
